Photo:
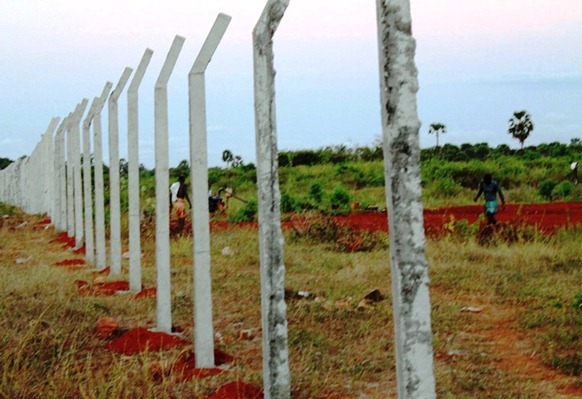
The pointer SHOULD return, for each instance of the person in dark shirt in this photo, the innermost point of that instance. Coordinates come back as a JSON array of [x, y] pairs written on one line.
[[178, 198], [491, 189]]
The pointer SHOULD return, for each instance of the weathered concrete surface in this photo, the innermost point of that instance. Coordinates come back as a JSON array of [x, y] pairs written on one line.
[[114, 194], [88, 186], [60, 197], [163, 297], [100, 251], [203, 331], [400, 126], [69, 175], [133, 173], [276, 377], [74, 135]]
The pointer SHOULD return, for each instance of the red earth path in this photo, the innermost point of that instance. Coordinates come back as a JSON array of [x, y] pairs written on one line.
[[545, 217]]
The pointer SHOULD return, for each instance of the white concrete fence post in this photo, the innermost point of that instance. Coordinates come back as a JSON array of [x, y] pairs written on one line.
[[164, 300], [114, 191], [88, 185], [400, 128], [203, 331], [276, 378], [60, 172], [77, 187], [69, 174], [48, 167], [100, 250], [133, 173]]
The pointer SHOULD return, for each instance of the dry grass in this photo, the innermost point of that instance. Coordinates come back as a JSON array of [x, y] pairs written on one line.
[[50, 349]]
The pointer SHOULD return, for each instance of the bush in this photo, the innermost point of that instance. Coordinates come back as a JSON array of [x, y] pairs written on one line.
[[315, 193], [545, 189], [563, 190], [289, 203], [339, 199], [245, 214]]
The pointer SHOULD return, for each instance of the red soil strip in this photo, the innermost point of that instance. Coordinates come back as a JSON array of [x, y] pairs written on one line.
[[44, 221], [80, 251], [237, 390], [546, 217], [63, 238], [184, 368], [72, 264], [101, 289], [111, 288], [105, 271], [142, 340], [146, 293]]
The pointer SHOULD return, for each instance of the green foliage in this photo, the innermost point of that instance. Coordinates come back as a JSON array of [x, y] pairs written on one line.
[[6, 209], [183, 168], [288, 202], [520, 126], [315, 193], [339, 199], [308, 178], [563, 190], [245, 214], [545, 189], [4, 162], [460, 230]]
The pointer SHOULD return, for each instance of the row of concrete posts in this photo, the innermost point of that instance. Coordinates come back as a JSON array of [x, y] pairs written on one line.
[[56, 179]]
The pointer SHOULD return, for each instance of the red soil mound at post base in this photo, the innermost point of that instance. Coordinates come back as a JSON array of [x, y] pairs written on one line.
[[111, 288], [146, 293], [237, 390], [184, 368], [141, 339], [63, 238]]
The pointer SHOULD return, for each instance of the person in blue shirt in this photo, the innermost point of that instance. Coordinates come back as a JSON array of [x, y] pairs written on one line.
[[491, 189]]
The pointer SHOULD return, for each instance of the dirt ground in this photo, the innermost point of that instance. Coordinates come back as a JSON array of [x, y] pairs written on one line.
[[497, 329], [545, 217]]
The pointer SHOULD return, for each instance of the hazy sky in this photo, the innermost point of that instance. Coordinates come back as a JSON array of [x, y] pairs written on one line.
[[478, 61]]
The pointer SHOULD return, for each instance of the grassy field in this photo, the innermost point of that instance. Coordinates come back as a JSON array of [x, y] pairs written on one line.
[[507, 319]]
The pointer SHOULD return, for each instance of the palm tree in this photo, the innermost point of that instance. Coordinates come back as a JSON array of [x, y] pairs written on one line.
[[520, 126], [436, 129]]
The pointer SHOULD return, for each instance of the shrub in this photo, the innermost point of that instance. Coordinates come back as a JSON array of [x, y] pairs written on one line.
[[245, 214], [339, 199], [290, 203], [563, 190], [545, 189], [315, 193]]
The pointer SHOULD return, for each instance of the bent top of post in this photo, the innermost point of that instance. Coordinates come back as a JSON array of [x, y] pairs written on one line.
[[89, 116], [140, 71], [78, 112], [269, 21], [103, 97], [120, 85], [171, 59], [52, 126], [210, 44], [62, 127]]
